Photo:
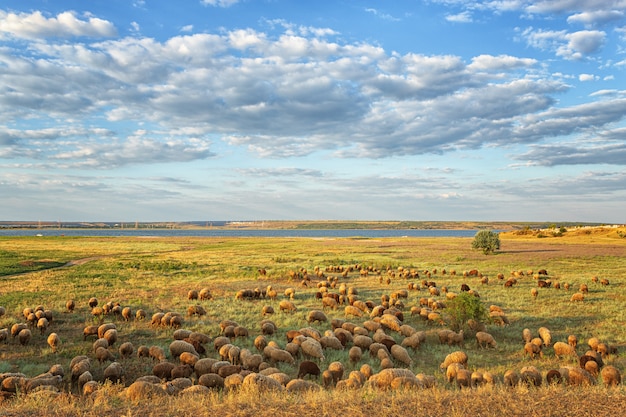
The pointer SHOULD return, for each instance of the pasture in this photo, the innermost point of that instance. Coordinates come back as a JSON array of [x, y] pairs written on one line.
[[156, 275]]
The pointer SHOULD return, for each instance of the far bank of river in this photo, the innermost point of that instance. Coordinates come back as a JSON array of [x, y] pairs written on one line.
[[309, 233]]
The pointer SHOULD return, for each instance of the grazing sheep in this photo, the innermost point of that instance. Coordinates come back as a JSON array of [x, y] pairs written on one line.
[[454, 357], [300, 385], [93, 301], [287, 306], [353, 311], [531, 376], [572, 340], [308, 368], [545, 335], [316, 315], [17, 328], [312, 348], [111, 336], [103, 328], [554, 377], [142, 390], [262, 382], [532, 349], [355, 354], [484, 339], [103, 354], [267, 310], [580, 376], [452, 370], [127, 313], [611, 376], [577, 297], [511, 378], [24, 336], [179, 346], [126, 349], [114, 372], [53, 341], [157, 353], [401, 355], [140, 315], [70, 305], [534, 292], [563, 349]]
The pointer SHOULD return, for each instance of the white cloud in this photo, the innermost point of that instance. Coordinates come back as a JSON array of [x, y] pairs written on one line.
[[571, 46], [463, 17], [35, 25], [219, 3], [596, 17], [587, 77]]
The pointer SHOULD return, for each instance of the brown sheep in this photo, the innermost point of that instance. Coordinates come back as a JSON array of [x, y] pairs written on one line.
[[484, 339], [572, 340], [546, 336], [554, 377], [24, 336], [287, 306], [53, 341], [577, 297], [532, 349], [531, 376], [611, 376], [126, 349], [308, 368], [564, 349], [316, 315]]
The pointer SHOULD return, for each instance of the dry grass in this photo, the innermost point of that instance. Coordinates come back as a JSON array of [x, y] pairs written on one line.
[[155, 274]]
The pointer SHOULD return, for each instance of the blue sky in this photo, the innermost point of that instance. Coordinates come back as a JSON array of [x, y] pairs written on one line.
[[509, 110]]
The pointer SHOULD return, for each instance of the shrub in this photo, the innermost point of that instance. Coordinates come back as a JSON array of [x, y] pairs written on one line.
[[486, 240], [463, 307]]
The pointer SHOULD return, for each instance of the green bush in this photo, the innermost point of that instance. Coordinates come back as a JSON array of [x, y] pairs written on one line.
[[487, 241], [463, 307]]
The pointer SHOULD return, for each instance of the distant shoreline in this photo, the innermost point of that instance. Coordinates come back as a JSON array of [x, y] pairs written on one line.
[[293, 224]]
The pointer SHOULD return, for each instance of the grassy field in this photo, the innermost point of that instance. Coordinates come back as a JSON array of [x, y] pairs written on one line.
[[155, 274]]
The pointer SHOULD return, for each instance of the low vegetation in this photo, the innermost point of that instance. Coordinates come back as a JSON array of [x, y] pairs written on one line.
[[464, 288]]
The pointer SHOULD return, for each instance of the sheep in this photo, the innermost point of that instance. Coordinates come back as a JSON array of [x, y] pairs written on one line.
[[140, 315], [452, 370], [546, 336], [611, 376], [308, 368], [572, 340], [179, 346], [114, 372], [580, 376], [111, 336], [204, 294], [531, 376], [24, 336], [142, 390], [384, 378], [103, 328], [316, 315], [53, 341], [401, 355], [457, 356], [103, 354], [511, 378], [414, 341], [93, 301], [4, 335], [532, 349], [455, 338], [554, 377], [353, 311], [331, 342], [534, 292], [267, 310], [262, 382], [157, 353], [287, 306], [577, 297], [484, 340], [564, 349], [312, 348], [17, 328], [126, 349], [355, 354]]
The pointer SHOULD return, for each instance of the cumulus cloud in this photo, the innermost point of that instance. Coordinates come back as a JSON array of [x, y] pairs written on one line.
[[587, 77], [463, 17], [572, 46], [219, 3], [66, 24]]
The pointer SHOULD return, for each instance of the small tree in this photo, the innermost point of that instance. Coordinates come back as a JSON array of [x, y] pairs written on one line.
[[486, 240], [463, 307]]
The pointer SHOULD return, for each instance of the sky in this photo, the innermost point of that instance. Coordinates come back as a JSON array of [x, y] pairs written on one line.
[[434, 110]]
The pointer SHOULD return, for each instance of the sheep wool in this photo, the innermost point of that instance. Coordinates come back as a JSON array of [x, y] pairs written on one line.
[[484, 340], [401, 355], [457, 356], [611, 376], [312, 348], [563, 349], [546, 336]]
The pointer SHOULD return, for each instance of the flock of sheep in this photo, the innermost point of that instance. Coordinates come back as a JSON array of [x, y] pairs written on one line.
[[381, 345]]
